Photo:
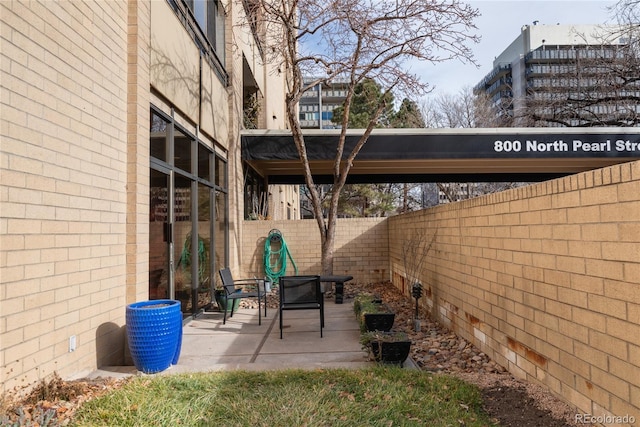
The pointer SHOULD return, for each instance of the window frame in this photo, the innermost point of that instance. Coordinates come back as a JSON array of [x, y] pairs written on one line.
[[213, 51]]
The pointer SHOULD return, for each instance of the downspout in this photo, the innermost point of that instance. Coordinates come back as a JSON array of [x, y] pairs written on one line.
[[200, 92]]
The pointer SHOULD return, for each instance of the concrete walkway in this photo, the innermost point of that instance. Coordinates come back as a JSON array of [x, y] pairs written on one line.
[[208, 345]]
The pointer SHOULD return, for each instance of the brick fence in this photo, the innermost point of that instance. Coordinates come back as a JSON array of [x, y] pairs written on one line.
[[544, 279], [361, 249]]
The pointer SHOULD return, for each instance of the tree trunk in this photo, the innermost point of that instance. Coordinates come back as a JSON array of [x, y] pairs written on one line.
[[327, 255]]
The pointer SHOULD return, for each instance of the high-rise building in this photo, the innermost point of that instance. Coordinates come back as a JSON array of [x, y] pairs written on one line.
[[318, 103], [565, 75]]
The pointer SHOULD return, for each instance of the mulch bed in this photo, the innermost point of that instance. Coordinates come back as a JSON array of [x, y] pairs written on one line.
[[507, 400]]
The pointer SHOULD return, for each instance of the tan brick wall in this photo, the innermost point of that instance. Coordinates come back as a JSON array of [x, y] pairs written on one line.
[[361, 248], [138, 116], [544, 279], [64, 172], [78, 80]]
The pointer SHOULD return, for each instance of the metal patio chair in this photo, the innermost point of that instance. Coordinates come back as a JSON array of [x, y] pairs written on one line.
[[301, 293], [242, 288]]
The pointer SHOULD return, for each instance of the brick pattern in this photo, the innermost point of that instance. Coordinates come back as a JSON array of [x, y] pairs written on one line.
[[64, 174], [545, 280]]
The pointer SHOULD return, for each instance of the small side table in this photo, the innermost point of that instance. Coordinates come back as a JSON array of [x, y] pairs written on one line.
[[339, 281]]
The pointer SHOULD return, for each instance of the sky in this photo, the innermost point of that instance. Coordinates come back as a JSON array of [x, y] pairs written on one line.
[[499, 24]]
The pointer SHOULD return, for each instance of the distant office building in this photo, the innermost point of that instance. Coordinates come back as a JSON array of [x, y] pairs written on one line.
[[317, 104], [316, 111], [564, 75], [453, 192]]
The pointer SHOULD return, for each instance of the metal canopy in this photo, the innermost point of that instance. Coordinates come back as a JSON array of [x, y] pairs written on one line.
[[430, 155]]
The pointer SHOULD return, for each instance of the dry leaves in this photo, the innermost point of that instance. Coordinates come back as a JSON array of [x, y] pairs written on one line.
[[54, 401]]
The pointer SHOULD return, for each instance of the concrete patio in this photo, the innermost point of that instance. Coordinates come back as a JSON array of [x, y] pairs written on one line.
[[208, 345], [243, 344]]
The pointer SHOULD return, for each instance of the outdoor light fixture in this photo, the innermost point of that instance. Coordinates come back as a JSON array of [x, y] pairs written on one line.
[[416, 292]]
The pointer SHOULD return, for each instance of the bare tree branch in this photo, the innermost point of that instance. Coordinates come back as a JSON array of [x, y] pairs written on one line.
[[355, 40]]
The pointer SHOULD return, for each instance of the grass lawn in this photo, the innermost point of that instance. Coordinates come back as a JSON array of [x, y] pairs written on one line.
[[379, 396]]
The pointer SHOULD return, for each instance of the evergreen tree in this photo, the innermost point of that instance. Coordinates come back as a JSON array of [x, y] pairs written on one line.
[[408, 116], [367, 96]]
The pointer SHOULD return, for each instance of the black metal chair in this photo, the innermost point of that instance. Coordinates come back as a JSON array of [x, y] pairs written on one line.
[[242, 288], [301, 293]]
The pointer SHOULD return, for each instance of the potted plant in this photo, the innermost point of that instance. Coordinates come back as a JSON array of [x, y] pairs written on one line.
[[387, 347], [364, 299], [221, 299], [372, 314]]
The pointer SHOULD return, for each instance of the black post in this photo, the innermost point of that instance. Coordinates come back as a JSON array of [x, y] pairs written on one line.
[[416, 291]]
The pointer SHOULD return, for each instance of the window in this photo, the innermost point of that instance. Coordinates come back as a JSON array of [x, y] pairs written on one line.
[[204, 21], [182, 150], [204, 163], [220, 172], [159, 137], [256, 204], [209, 15]]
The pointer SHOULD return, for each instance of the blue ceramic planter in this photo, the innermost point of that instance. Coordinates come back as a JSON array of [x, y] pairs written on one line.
[[154, 331]]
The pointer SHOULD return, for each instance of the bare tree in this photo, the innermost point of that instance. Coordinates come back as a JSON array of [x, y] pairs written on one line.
[[487, 114], [627, 12], [354, 40], [462, 110], [457, 110], [467, 109]]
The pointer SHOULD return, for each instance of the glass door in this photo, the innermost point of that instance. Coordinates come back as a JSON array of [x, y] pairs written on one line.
[[205, 284], [183, 249], [175, 256], [187, 216], [159, 236]]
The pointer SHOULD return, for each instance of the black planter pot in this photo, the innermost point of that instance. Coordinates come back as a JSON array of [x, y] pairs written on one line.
[[390, 352], [379, 321]]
